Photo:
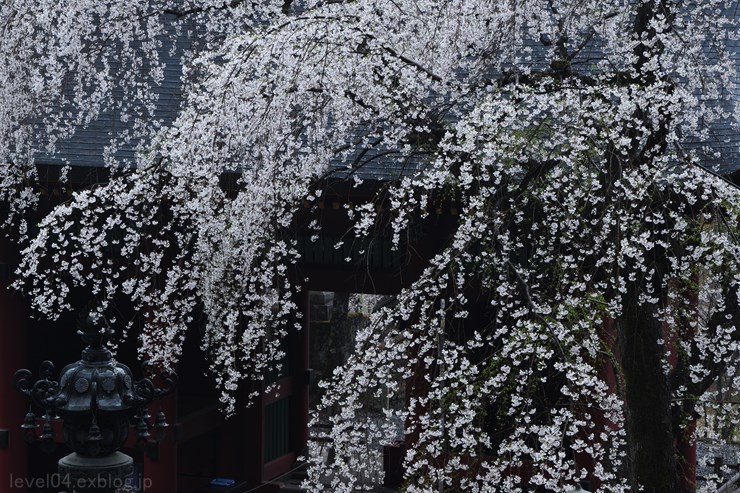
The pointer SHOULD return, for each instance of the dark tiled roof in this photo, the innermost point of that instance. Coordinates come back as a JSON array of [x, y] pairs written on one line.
[[86, 147]]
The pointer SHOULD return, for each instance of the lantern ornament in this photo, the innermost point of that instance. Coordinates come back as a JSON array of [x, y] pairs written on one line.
[[97, 399]]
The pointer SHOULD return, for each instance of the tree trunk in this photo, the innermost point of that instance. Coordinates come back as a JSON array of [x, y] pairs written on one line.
[[651, 451]]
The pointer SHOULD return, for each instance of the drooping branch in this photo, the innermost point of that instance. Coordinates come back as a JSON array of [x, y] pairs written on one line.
[[179, 13]]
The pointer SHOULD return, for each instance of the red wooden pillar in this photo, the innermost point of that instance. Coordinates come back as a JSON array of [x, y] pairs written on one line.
[[301, 373], [254, 439], [686, 442], [13, 406], [686, 448], [160, 461], [608, 375]]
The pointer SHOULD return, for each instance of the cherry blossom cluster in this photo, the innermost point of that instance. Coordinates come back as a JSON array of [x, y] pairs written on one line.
[[565, 133]]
